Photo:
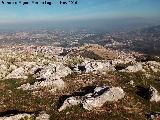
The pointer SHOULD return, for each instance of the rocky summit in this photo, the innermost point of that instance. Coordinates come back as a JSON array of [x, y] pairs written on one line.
[[87, 82]]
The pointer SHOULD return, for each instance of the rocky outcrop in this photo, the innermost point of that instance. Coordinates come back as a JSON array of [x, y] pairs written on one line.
[[134, 68], [148, 93], [122, 61], [155, 95], [97, 66], [153, 116], [154, 66], [20, 70], [39, 70], [70, 102], [52, 85], [3, 71], [18, 73], [53, 71], [26, 116], [98, 98], [95, 99], [48, 76], [17, 117], [42, 116], [94, 66]]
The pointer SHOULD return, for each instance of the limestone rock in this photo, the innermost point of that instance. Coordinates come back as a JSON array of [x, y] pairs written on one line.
[[155, 95], [54, 71], [69, 102], [135, 68], [42, 116], [3, 71], [16, 117], [18, 73], [155, 66], [95, 66], [122, 61], [53, 85], [12, 67], [110, 95], [95, 99], [154, 116]]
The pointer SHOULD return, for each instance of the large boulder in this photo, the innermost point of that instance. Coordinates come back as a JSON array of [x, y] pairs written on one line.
[[96, 99]]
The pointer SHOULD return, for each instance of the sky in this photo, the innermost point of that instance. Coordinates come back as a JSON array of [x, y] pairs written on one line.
[[84, 10]]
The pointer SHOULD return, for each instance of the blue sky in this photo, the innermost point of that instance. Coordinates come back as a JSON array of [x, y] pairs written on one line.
[[84, 10]]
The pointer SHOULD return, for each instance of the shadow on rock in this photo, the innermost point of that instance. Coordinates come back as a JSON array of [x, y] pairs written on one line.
[[81, 92], [144, 92]]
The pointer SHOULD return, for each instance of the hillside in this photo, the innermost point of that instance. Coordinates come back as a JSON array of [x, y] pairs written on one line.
[[146, 40], [38, 87]]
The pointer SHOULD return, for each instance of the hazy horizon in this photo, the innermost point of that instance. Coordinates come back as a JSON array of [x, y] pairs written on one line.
[[107, 25], [97, 14]]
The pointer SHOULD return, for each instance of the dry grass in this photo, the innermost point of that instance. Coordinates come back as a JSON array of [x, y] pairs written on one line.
[[132, 107]]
